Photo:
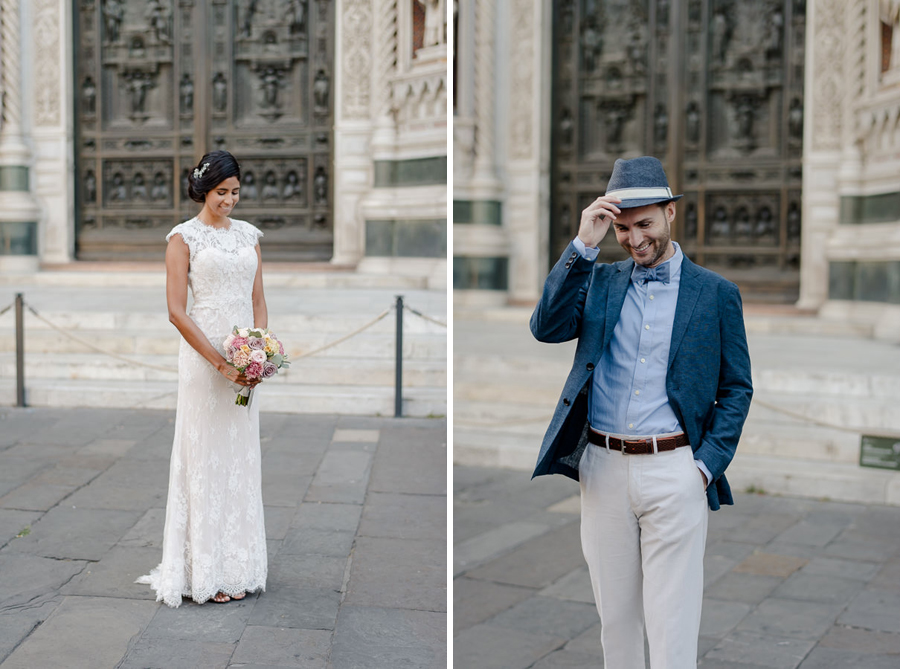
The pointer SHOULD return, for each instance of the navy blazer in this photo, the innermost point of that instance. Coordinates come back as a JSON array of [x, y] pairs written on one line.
[[708, 379]]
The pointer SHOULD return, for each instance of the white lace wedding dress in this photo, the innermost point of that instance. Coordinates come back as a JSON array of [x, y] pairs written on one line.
[[214, 538]]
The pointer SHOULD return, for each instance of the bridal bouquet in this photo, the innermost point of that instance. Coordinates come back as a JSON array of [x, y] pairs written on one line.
[[257, 353]]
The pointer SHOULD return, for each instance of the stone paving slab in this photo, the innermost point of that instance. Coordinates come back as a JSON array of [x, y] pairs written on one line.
[[789, 583], [357, 577]]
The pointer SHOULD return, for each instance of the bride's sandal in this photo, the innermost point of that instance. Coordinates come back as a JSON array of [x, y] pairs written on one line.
[[221, 598]]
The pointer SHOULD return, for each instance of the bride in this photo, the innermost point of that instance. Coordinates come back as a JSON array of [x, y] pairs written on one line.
[[214, 543]]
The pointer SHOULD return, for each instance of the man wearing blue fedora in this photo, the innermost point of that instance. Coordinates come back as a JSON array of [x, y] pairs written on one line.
[[650, 415]]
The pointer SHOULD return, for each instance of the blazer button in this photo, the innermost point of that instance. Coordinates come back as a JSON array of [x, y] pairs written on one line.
[[590, 367], [568, 265], [566, 401]]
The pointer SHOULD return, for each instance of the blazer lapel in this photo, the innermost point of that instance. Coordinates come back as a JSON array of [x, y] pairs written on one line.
[[688, 292], [615, 298]]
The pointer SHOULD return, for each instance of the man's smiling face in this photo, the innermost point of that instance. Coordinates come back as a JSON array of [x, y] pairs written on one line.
[[644, 232]]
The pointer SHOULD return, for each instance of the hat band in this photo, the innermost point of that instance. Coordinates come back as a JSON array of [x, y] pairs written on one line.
[[640, 193]]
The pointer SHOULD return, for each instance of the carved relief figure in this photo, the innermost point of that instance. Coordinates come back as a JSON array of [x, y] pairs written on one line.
[[138, 83], [893, 18], [159, 16], [765, 226], [720, 227], [591, 47], [220, 92], [660, 124], [434, 22], [774, 38], [321, 86], [292, 186], [795, 119], [636, 52], [719, 36], [138, 189], [615, 122], [320, 183], [186, 94], [160, 190], [662, 13], [295, 12], [270, 186], [566, 127], [117, 190], [113, 13], [745, 115], [690, 221], [90, 186], [793, 221], [185, 182], [565, 218], [271, 82], [248, 187], [247, 20], [692, 118], [89, 96]]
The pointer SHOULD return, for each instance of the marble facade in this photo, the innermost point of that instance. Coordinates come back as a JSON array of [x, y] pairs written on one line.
[[390, 119]]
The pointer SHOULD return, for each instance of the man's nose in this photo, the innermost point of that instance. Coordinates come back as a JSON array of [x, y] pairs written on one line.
[[635, 237]]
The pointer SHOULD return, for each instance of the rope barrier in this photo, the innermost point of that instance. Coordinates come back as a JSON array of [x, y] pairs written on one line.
[[93, 347], [421, 315], [97, 348], [344, 338], [822, 423], [11, 305]]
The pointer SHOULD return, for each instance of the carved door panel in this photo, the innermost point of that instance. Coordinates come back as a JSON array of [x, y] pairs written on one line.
[[161, 82], [714, 88]]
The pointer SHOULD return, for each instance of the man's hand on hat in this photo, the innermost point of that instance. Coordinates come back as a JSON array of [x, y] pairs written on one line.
[[596, 219]]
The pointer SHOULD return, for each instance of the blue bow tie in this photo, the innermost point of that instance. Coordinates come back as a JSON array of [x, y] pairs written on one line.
[[643, 274]]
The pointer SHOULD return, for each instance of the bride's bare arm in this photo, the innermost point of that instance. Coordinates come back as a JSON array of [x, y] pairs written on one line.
[[177, 261], [260, 312]]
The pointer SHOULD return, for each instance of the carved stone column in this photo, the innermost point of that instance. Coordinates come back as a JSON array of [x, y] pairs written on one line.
[[484, 177], [52, 49], [353, 126], [825, 94], [383, 71], [18, 210], [528, 147]]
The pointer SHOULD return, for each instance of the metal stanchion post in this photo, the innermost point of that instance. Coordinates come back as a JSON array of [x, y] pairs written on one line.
[[398, 380], [20, 352]]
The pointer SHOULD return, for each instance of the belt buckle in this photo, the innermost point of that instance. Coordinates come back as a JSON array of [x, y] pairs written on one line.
[[630, 447]]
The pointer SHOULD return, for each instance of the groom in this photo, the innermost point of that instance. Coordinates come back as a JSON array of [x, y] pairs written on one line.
[[650, 415]]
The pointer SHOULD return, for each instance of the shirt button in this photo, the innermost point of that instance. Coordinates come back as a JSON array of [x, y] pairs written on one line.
[[637, 392], [651, 297], [630, 425], [646, 327], [643, 360]]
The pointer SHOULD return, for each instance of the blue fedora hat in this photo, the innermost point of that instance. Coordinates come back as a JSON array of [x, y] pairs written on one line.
[[639, 182]]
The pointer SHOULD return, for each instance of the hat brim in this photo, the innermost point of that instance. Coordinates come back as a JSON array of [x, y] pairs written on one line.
[[634, 204]]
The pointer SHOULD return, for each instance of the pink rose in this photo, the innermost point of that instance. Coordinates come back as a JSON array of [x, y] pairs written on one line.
[[280, 348], [258, 356], [239, 341], [254, 370], [269, 370]]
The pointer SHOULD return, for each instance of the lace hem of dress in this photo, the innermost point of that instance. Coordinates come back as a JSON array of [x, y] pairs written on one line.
[[173, 598]]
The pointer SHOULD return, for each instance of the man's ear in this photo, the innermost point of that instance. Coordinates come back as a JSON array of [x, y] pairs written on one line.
[[670, 212]]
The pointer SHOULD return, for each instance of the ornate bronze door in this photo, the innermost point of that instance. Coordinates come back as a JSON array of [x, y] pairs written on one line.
[[714, 88], [161, 82]]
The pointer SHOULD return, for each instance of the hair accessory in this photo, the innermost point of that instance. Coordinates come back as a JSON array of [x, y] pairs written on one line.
[[199, 173]]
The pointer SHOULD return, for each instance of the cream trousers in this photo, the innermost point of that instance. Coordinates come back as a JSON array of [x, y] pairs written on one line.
[[643, 533]]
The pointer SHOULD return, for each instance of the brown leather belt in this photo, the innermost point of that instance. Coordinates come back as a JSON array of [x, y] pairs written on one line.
[[638, 446]]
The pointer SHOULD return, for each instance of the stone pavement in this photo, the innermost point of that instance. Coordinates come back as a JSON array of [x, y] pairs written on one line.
[[356, 525], [788, 582]]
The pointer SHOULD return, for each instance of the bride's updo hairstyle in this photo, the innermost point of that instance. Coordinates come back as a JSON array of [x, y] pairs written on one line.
[[214, 168]]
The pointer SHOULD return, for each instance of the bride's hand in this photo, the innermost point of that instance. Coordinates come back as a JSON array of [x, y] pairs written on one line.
[[237, 377]]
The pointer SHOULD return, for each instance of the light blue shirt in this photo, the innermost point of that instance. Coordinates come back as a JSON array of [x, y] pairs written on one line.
[[628, 391]]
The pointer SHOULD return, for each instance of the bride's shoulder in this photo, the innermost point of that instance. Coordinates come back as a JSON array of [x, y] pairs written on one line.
[[248, 230], [184, 229]]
